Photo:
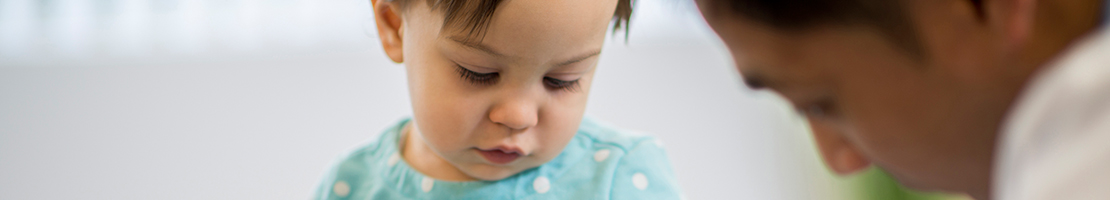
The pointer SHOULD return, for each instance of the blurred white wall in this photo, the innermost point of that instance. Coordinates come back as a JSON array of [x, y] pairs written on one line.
[[251, 99]]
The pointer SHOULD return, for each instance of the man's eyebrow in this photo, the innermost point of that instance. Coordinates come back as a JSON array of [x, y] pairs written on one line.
[[475, 45], [580, 58], [755, 80]]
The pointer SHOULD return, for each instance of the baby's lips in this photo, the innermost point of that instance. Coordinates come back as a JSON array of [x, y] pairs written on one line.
[[499, 156], [509, 149]]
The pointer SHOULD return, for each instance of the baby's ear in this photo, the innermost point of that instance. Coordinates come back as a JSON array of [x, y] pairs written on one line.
[[390, 30]]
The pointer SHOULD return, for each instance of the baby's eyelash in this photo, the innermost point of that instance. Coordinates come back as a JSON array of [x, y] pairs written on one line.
[[475, 77], [491, 78], [553, 83]]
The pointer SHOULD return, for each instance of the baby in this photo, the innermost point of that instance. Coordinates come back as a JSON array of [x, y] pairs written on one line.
[[498, 93]]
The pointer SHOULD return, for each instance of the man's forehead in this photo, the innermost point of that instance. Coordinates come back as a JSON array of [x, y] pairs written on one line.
[[712, 9]]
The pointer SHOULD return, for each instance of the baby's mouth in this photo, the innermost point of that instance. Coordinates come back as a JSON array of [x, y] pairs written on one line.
[[500, 155]]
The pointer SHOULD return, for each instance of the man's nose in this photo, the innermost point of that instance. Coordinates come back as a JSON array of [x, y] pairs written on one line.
[[838, 153]]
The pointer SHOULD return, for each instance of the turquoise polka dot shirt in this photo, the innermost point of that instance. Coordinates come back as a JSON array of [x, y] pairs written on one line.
[[600, 162]]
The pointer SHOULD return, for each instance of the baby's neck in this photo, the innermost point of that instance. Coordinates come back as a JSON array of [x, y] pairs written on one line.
[[418, 155]]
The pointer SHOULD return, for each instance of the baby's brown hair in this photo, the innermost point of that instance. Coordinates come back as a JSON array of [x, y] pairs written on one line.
[[472, 16]]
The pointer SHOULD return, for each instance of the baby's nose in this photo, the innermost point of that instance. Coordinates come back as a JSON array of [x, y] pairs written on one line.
[[516, 115]]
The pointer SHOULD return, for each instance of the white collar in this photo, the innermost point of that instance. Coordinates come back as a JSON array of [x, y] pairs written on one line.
[[1029, 120]]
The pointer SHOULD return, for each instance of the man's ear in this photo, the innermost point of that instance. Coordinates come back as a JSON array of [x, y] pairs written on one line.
[[1014, 18], [837, 152], [390, 29]]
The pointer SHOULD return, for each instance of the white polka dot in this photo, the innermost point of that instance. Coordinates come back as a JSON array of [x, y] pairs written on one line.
[[394, 159], [341, 189], [601, 155], [658, 142], [542, 185], [427, 184], [640, 181]]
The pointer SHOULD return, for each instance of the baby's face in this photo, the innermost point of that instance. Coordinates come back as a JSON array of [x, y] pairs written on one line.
[[512, 100]]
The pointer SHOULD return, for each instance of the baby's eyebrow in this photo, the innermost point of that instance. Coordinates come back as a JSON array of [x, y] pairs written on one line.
[[475, 45], [488, 50], [580, 58]]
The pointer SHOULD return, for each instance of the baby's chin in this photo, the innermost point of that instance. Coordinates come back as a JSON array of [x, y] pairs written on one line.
[[487, 172]]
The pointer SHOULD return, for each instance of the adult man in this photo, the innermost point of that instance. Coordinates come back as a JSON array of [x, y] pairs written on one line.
[[999, 99]]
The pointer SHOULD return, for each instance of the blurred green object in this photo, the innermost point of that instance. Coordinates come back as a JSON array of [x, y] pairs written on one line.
[[875, 184]]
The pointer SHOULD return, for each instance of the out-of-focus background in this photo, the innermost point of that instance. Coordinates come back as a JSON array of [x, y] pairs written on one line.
[[252, 99]]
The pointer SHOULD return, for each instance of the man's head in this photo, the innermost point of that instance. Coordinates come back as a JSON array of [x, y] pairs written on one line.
[[916, 87]]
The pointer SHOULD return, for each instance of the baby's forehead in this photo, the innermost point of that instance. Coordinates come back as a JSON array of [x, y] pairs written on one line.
[[474, 18], [524, 28], [475, 13]]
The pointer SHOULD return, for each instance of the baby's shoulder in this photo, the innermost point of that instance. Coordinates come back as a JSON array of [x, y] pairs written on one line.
[[360, 160], [600, 133], [358, 172], [627, 164]]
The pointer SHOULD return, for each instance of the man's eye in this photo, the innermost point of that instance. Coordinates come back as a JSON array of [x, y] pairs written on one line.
[[814, 111], [556, 84], [824, 109], [475, 77]]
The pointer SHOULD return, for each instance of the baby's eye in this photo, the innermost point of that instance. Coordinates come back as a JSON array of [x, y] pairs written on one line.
[[556, 84], [475, 77]]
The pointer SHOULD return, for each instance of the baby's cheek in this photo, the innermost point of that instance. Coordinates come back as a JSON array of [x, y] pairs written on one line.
[[447, 121], [561, 116], [558, 130], [454, 122]]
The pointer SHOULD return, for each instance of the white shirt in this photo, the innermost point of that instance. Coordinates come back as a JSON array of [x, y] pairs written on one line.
[[1055, 143]]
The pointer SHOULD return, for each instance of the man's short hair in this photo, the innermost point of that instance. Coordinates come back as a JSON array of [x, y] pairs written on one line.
[[890, 17]]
